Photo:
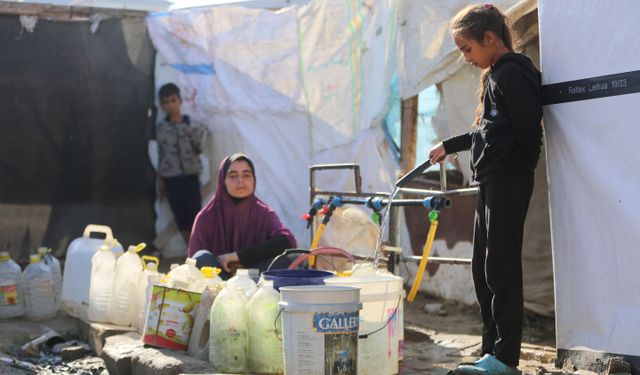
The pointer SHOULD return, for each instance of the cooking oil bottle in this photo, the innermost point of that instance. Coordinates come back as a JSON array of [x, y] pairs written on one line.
[[39, 290], [11, 288], [123, 294], [103, 266]]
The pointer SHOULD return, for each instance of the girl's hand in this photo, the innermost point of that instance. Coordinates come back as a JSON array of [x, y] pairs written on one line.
[[437, 153], [226, 260]]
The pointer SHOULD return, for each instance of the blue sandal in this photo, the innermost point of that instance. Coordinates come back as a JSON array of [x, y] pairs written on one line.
[[487, 365]]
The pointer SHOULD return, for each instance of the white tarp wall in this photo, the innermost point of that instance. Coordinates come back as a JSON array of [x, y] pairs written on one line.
[[303, 85], [594, 174]]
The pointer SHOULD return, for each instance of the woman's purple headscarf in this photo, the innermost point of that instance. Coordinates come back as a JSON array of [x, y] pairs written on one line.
[[226, 224]]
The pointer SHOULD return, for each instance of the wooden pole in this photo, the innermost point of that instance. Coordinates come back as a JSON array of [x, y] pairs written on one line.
[[408, 134], [408, 139]]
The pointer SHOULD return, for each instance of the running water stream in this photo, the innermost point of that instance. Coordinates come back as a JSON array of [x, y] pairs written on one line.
[[383, 226]]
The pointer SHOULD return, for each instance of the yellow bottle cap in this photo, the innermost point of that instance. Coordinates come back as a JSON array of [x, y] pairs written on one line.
[[34, 258], [344, 273], [4, 256], [210, 272]]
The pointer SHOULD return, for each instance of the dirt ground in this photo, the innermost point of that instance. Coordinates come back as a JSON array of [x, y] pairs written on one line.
[[436, 340], [449, 333]]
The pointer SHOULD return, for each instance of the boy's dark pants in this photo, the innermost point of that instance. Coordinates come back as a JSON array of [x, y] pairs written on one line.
[[497, 263], [183, 193]]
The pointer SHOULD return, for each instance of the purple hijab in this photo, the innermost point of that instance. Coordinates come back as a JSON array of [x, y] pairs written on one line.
[[226, 225]]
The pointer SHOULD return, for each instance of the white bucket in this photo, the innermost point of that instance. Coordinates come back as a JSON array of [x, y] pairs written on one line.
[[320, 329], [381, 297]]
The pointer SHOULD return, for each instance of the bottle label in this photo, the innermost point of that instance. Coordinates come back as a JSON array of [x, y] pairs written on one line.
[[9, 295]]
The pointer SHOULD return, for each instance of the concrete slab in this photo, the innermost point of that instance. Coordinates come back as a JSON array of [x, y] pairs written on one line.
[[119, 350], [96, 333], [152, 361]]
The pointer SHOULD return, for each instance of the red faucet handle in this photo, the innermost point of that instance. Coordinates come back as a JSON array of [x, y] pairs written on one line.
[[324, 209]]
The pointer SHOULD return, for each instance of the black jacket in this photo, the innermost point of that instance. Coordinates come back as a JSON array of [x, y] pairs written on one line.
[[508, 138]]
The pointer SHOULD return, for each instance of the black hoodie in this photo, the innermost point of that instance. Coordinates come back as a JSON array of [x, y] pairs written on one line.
[[508, 138]]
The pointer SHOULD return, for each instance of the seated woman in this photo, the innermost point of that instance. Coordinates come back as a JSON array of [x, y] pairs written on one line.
[[236, 229]]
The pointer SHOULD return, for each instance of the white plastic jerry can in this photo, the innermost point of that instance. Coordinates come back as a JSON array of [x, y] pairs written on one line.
[[148, 278], [56, 271], [77, 270], [123, 295], [242, 280], [11, 288], [39, 290], [103, 266], [186, 277], [228, 337]]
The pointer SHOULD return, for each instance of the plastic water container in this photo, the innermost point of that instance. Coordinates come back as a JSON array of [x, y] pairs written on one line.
[[148, 278], [54, 265], [103, 267], [211, 278], [265, 348], [39, 290], [186, 277], [11, 288], [243, 281], [320, 325], [381, 297], [123, 294], [228, 338], [77, 270], [282, 278]]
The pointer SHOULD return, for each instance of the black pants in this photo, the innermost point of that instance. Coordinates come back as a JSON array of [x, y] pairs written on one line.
[[497, 263], [184, 197]]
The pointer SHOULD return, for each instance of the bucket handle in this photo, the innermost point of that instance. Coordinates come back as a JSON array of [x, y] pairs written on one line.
[[331, 251], [287, 252], [395, 311], [94, 228], [275, 324]]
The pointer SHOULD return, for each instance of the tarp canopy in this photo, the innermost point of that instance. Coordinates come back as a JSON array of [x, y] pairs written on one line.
[[427, 54], [592, 159], [300, 86]]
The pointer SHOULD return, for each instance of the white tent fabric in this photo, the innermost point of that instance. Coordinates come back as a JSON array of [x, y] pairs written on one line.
[[592, 154], [291, 88], [427, 53], [144, 5]]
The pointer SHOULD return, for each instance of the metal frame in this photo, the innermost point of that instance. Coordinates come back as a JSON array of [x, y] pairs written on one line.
[[393, 252]]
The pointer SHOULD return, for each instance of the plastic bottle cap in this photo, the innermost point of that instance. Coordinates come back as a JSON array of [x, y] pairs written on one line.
[[210, 272], [34, 258], [242, 271], [4, 256], [132, 249], [151, 266], [173, 265], [43, 250], [104, 247], [190, 261]]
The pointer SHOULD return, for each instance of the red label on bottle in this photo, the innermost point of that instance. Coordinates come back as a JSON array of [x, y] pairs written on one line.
[[9, 295]]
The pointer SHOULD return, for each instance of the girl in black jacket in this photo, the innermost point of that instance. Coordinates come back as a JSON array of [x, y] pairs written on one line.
[[505, 147]]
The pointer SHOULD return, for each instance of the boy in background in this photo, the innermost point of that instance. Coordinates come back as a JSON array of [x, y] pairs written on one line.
[[178, 161]]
